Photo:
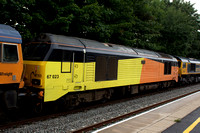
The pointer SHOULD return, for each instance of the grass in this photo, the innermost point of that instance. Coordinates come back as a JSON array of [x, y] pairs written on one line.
[[177, 120]]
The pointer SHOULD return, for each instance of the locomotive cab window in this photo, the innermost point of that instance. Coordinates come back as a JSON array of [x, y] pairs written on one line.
[[78, 56], [10, 53], [35, 51], [184, 65], [67, 58], [167, 68], [56, 55], [192, 67]]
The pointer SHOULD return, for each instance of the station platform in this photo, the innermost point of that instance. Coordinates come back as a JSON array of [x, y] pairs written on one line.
[[180, 116]]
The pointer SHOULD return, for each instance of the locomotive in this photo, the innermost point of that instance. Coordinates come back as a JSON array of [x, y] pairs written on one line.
[[11, 66], [71, 70], [189, 70], [75, 70], [78, 70]]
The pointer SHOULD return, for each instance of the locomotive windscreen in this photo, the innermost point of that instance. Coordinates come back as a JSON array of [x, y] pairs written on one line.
[[35, 51], [10, 53]]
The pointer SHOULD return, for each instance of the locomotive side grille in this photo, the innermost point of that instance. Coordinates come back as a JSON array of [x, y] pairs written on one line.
[[90, 72]]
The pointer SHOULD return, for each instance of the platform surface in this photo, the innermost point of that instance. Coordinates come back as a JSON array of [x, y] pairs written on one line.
[[161, 119], [190, 123]]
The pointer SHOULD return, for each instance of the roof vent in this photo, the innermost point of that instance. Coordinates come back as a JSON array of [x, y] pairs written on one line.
[[107, 45]]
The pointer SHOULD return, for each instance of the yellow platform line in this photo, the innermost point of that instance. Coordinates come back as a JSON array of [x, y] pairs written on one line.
[[192, 126]]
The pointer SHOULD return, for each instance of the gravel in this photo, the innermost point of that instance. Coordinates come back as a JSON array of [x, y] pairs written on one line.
[[79, 120]]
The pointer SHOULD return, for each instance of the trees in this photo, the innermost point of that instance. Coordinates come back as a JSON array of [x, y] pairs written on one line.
[[160, 25], [180, 26], [178, 32], [16, 14]]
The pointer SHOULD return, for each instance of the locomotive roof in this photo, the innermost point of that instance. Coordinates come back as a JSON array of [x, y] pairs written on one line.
[[195, 61], [9, 34], [188, 60], [183, 59], [98, 47]]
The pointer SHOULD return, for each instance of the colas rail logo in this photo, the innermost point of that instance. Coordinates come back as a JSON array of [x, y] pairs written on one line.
[[6, 73]]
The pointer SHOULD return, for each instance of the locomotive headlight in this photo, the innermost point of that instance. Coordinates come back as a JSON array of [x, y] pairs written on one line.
[[36, 82], [41, 94]]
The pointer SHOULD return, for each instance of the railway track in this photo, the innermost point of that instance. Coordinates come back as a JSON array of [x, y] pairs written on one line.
[[110, 121], [28, 121], [17, 122]]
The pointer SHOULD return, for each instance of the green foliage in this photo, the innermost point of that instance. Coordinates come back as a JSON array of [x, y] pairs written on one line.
[[180, 29], [161, 25], [177, 120]]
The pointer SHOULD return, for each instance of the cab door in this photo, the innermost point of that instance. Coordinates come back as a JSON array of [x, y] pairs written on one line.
[[67, 66], [72, 64], [78, 70], [184, 67]]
